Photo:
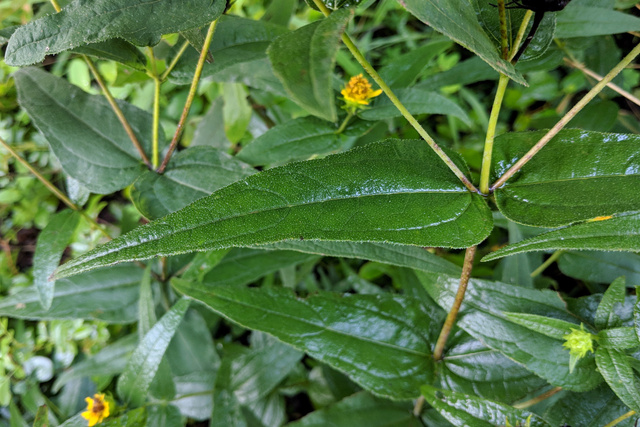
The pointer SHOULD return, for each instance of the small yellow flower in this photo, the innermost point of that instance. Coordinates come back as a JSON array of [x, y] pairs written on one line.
[[97, 409], [579, 342], [357, 93]]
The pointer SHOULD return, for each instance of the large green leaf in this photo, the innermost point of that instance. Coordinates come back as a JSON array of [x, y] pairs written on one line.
[[620, 233], [304, 60], [371, 338], [192, 174], [82, 22], [617, 371], [585, 21], [482, 315], [468, 410], [109, 294], [600, 267], [577, 176], [397, 191], [457, 19], [52, 241], [134, 382], [83, 131]]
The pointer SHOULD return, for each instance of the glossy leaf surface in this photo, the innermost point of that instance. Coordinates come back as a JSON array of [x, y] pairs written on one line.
[[52, 241], [617, 371], [482, 316], [109, 294], [381, 192], [609, 307], [600, 267], [145, 360], [83, 22], [620, 233], [577, 176], [304, 61], [457, 19], [192, 174], [83, 131], [371, 338]]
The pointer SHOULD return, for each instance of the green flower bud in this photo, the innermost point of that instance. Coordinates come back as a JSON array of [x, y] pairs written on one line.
[[579, 342]]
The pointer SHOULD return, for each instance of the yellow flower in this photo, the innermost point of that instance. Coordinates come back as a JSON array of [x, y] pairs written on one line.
[[97, 409], [358, 92]]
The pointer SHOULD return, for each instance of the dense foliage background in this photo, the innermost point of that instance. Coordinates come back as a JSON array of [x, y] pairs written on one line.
[[353, 345]]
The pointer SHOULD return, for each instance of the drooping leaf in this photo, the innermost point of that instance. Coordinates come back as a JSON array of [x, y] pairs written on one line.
[[304, 60], [457, 20], [191, 174], [83, 131], [462, 409], [109, 295], [600, 267], [482, 315], [617, 371], [380, 348], [558, 186], [620, 233], [134, 382], [586, 21], [83, 22], [52, 241], [376, 193]]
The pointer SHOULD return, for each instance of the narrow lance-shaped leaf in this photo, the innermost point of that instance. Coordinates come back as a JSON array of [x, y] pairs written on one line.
[[134, 382], [397, 191], [52, 242], [371, 338], [610, 304], [617, 371], [82, 22], [620, 233]]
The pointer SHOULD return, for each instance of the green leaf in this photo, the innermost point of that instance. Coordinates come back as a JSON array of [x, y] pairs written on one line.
[[242, 266], [586, 21], [417, 101], [618, 338], [304, 60], [109, 294], [600, 267], [457, 20], [388, 357], [612, 299], [482, 316], [83, 22], [191, 174], [42, 417], [164, 416], [236, 111], [636, 313], [52, 241], [115, 50], [577, 176], [620, 233], [83, 131], [134, 382], [376, 193], [469, 410], [297, 139], [616, 370], [403, 256], [361, 410], [405, 69], [553, 328]]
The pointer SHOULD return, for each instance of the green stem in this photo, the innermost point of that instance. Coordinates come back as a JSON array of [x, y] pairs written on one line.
[[174, 61], [453, 313], [504, 40], [521, 32], [567, 118], [538, 399], [621, 418], [344, 124], [190, 97], [55, 5], [547, 263], [64, 199], [394, 99], [156, 110], [491, 133]]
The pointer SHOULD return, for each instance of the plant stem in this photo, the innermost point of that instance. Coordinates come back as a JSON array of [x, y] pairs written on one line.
[[521, 32], [504, 41], [394, 99], [453, 313], [64, 199], [156, 109], [570, 115], [55, 5], [190, 97], [417, 408], [538, 399], [547, 263], [491, 133], [621, 418], [174, 61], [344, 124]]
